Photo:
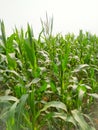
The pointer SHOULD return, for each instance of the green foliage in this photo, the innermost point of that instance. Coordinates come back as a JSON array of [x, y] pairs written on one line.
[[49, 82]]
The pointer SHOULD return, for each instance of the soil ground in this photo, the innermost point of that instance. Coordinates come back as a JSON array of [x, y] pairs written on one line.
[[94, 113]]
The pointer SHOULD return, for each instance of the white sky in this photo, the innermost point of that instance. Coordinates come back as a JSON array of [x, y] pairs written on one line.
[[69, 15]]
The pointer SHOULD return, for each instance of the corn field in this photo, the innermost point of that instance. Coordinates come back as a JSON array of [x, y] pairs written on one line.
[[49, 82]]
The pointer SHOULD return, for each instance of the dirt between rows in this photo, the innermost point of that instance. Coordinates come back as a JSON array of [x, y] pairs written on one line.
[[94, 113]]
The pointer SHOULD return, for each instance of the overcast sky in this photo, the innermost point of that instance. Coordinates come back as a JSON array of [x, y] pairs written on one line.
[[69, 15]]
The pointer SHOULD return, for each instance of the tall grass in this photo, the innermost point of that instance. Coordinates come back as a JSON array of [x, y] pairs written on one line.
[[49, 82]]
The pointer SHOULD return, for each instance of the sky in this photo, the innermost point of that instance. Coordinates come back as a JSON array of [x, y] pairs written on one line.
[[68, 15]]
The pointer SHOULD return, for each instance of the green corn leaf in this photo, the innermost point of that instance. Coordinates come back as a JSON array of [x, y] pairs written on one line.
[[64, 117], [80, 67], [94, 95], [80, 120], [53, 87], [9, 98], [34, 81], [56, 104]]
